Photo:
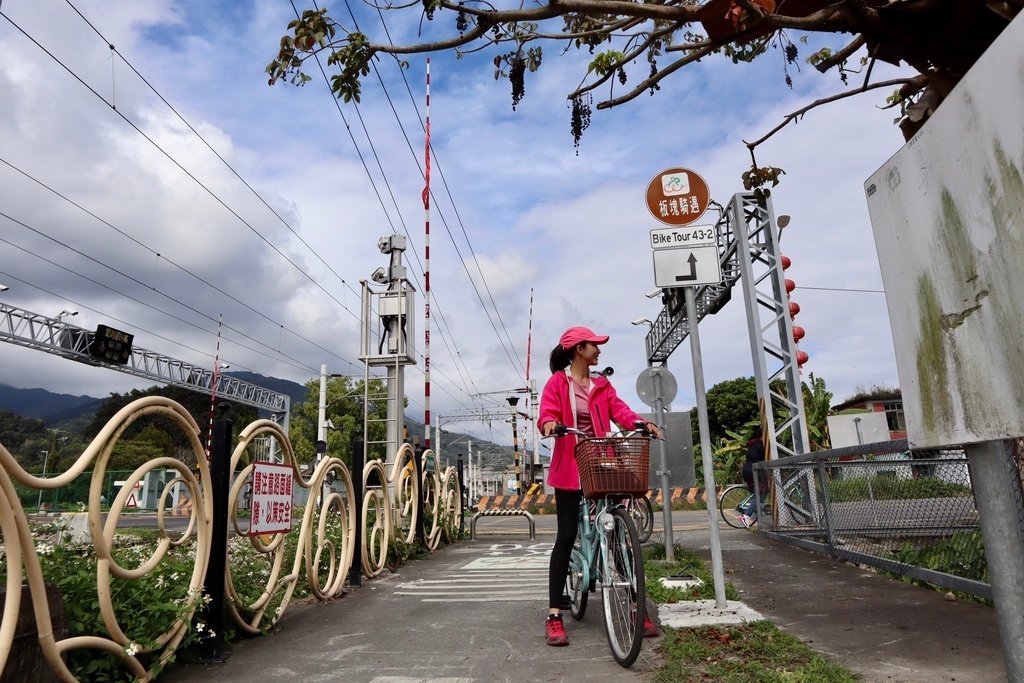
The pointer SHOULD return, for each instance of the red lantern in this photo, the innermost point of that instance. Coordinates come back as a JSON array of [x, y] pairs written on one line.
[[790, 285], [786, 262], [798, 333], [801, 357], [794, 308]]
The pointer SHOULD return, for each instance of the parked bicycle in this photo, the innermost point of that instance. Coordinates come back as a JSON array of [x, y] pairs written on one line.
[[642, 512], [613, 470]]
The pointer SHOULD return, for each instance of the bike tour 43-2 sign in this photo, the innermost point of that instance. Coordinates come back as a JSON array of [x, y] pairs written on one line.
[[684, 255], [271, 511]]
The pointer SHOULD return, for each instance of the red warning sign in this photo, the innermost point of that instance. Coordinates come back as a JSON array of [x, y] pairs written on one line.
[[131, 502]]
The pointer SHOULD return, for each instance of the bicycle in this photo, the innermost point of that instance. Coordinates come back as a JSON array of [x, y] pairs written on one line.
[[608, 550], [734, 498], [737, 496], [642, 511]]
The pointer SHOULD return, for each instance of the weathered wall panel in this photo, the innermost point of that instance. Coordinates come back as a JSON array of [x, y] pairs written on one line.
[[948, 216]]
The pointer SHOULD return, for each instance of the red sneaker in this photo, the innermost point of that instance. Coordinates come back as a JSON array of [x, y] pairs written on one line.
[[650, 630], [556, 631]]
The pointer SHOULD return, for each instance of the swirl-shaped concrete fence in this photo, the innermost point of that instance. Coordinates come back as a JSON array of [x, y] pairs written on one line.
[[325, 548]]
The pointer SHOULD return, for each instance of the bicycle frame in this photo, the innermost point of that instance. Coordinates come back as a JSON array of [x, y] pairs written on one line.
[[594, 545], [587, 536]]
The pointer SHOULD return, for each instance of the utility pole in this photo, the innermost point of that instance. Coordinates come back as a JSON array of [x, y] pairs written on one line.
[[513, 401], [46, 456]]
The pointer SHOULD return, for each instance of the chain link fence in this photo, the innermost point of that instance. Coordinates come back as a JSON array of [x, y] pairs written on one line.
[[908, 512]]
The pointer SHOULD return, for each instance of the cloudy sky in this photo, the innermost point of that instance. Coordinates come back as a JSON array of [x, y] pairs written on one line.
[[158, 188]]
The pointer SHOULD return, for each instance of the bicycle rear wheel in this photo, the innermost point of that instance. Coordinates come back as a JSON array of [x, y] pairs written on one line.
[[642, 511], [728, 505], [623, 588]]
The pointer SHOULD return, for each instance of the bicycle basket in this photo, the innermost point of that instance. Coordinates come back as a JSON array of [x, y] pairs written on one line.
[[613, 465]]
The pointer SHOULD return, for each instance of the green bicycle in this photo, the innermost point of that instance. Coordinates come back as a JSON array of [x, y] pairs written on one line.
[[608, 550]]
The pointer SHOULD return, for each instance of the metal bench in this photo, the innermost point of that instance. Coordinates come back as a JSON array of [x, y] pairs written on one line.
[[502, 513]]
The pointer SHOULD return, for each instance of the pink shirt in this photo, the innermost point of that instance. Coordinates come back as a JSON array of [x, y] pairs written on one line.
[[581, 395]]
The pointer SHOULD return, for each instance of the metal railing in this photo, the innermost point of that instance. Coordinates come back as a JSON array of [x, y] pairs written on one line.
[[906, 511]]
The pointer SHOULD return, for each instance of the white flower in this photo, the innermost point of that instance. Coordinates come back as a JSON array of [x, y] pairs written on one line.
[[200, 626], [131, 649]]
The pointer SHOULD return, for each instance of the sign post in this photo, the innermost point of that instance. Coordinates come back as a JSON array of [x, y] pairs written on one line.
[[655, 386], [687, 256]]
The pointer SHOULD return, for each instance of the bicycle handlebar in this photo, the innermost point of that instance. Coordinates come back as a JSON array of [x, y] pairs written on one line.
[[639, 427]]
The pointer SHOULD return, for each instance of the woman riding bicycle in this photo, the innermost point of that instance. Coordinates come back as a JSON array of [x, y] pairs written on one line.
[[573, 398], [755, 454]]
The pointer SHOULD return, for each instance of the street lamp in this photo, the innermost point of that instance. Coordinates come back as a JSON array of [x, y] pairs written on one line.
[[65, 313], [512, 402], [3, 288], [642, 321], [46, 456]]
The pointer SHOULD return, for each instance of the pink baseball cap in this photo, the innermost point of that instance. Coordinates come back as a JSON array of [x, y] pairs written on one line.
[[577, 335]]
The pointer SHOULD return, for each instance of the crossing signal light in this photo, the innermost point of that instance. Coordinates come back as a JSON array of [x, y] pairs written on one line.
[[110, 345]]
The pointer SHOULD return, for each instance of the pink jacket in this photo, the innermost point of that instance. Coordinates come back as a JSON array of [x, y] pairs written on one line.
[[556, 404]]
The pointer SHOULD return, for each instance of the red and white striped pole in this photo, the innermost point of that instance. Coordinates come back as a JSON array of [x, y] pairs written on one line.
[[426, 272], [529, 340]]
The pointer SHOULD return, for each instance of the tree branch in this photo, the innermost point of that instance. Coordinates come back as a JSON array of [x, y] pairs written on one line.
[[653, 80], [841, 56], [625, 59], [920, 80]]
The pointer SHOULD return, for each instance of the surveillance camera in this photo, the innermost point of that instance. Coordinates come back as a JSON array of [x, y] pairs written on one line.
[[653, 293], [380, 276], [390, 243], [639, 321], [4, 288]]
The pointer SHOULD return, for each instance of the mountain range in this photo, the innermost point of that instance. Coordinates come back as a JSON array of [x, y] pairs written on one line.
[[73, 413]]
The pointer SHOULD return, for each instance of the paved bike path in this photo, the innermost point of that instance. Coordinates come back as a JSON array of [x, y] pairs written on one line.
[[473, 612], [467, 613]]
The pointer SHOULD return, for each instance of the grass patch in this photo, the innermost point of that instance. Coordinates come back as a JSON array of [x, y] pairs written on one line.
[[756, 652], [687, 563], [751, 653], [889, 488]]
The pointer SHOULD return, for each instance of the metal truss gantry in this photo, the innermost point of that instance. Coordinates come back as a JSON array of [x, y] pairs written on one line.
[[35, 331], [749, 254]]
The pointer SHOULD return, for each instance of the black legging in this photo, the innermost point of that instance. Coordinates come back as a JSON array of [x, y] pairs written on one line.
[[567, 510]]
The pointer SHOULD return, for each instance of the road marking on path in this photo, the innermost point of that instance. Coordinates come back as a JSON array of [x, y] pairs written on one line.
[[507, 572]]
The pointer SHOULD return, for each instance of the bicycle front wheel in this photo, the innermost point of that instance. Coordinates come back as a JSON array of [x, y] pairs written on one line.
[[643, 514], [574, 579], [623, 588], [729, 504]]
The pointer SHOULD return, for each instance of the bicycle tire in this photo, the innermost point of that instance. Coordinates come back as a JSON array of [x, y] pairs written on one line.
[[732, 497], [643, 515], [574, 587], [623, 589]]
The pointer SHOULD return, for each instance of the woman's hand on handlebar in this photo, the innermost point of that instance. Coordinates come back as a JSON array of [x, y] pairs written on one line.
[[549, 427], [651, 429]]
